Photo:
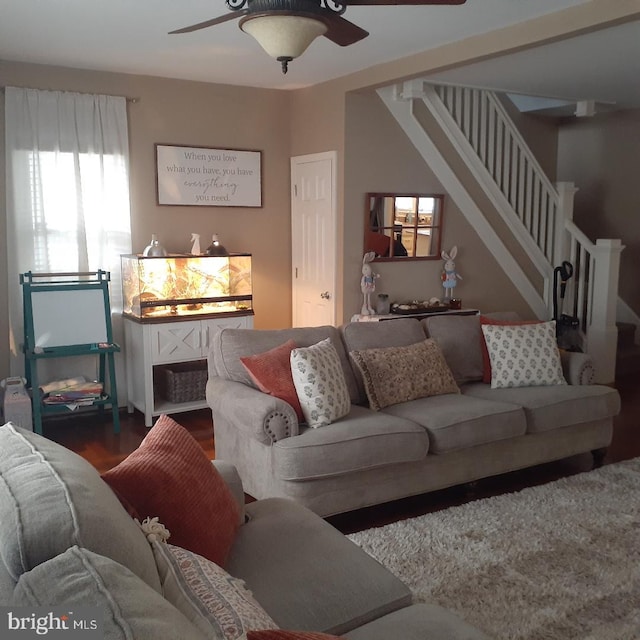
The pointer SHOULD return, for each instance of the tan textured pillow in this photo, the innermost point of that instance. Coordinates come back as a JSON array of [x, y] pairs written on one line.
[[398, 374]]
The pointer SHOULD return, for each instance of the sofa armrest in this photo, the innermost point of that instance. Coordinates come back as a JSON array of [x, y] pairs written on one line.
[[231, 476], [259, 415], [577, 367]]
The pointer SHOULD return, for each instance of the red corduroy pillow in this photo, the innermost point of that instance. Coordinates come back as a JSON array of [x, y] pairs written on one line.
[[486, 362], [271, 372], [169, 476]]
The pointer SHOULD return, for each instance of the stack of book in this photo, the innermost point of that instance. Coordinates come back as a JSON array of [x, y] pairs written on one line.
[[76, 391]]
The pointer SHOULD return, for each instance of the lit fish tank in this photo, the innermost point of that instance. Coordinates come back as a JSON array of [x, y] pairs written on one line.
[[186, 285]]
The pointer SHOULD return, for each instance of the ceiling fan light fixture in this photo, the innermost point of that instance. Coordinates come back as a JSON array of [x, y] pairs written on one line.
[[283, 37]]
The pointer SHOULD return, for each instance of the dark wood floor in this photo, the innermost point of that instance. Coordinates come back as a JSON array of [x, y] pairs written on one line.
[[95, 441]]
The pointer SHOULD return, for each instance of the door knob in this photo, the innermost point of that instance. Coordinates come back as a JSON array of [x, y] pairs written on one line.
[[325, 295]]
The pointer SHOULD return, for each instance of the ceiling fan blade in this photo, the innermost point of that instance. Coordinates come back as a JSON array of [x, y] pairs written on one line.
[[210, 23], [342, 31], [402, 2]]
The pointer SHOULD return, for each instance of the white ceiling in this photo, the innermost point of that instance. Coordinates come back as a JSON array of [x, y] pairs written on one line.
[[132, 37]]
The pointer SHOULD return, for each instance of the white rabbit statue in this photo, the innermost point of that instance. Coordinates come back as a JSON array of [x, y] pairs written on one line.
[[450, 276], [368, 283]]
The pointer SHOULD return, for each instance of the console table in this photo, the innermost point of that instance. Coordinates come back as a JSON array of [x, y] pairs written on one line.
[[151, 344], [419, 315]]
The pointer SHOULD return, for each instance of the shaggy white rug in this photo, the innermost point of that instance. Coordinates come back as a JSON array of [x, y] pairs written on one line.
[[555, 562]]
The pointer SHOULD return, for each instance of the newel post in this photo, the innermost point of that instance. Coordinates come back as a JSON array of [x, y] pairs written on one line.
[[566, 193], [602, 332]]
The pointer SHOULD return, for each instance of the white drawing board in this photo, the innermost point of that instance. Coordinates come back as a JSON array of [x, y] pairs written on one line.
[[62, 318]]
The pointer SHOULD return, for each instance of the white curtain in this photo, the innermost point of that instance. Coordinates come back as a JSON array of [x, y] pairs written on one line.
[[67, 162]]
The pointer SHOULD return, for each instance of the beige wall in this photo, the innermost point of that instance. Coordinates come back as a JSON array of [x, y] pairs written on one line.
[[379, 157], [190, 113], [600, 155], [282, 124]]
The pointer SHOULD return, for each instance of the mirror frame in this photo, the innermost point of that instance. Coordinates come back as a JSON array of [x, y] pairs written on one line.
[[439, 209]]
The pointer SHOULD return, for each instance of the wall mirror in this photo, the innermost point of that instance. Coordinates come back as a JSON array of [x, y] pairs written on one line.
[[403, 226]]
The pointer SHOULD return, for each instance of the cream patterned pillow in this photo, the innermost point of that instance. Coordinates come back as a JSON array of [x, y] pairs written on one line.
[[398, 374], [215, 602], [320, 383], [523, 355]]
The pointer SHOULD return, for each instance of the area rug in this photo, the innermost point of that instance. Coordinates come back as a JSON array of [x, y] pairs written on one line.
[[556, 562]]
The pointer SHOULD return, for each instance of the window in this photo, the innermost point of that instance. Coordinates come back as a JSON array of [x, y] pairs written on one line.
[[67, 190]]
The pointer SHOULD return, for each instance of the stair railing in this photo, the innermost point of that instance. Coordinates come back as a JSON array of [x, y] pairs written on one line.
[[539, 213]]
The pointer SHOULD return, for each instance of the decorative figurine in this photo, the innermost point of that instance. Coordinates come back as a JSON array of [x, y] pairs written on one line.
[[368, 283], [195, 247], [154, 248], [449, 275], [215, 248]]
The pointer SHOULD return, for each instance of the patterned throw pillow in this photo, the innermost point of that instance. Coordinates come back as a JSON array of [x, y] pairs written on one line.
[[398, 374], [170, 477], [320, 383], [218, 604], [486, 362], [271, 372], [523, 355]]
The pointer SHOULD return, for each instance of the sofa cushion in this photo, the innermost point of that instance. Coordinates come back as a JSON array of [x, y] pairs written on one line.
[[320, 384], [52, 499], [459, 421], [400, 332], [365, 439], [523, 355], [554, 407], [229, 345], [214, 601], [418, 622], [306, 574], [399, 374], [129, 607], [459, 338], [170, 477], [271, 373]]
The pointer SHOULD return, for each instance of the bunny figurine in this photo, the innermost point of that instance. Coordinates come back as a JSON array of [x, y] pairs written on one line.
[[368, 283], [449, 275]]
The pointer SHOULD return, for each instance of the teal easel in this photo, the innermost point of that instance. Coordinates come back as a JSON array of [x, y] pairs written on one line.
[[68, 314]]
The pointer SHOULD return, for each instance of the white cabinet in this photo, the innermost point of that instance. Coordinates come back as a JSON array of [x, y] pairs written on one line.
[[148, 345]]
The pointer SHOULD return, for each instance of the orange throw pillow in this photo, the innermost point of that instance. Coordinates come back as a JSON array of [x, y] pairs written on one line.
[[169, 476], [271, 373], [486, 362]]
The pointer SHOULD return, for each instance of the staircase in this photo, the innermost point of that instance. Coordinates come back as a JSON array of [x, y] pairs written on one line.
[[524, 219]]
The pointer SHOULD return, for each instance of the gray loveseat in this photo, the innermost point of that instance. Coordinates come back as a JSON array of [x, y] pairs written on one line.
[[66, 540], [371, 457]]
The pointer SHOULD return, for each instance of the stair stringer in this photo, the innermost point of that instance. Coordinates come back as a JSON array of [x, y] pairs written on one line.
[[541, 260], [403, 111]]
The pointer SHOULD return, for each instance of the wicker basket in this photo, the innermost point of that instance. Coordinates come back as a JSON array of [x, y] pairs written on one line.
[[183, 382]]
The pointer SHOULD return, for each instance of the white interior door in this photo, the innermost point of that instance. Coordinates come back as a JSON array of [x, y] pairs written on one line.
[[313, 237]]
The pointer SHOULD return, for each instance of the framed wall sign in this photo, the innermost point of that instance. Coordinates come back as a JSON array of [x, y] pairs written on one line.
[[201, 176]]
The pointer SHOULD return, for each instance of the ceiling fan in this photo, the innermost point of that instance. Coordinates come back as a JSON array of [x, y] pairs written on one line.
[[285, 28]]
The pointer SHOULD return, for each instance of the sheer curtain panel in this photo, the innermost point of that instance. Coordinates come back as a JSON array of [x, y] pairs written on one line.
[[67, 162]]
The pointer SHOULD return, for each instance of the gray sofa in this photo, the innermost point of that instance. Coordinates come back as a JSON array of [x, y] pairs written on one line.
[[65, 540], [371, 457]]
